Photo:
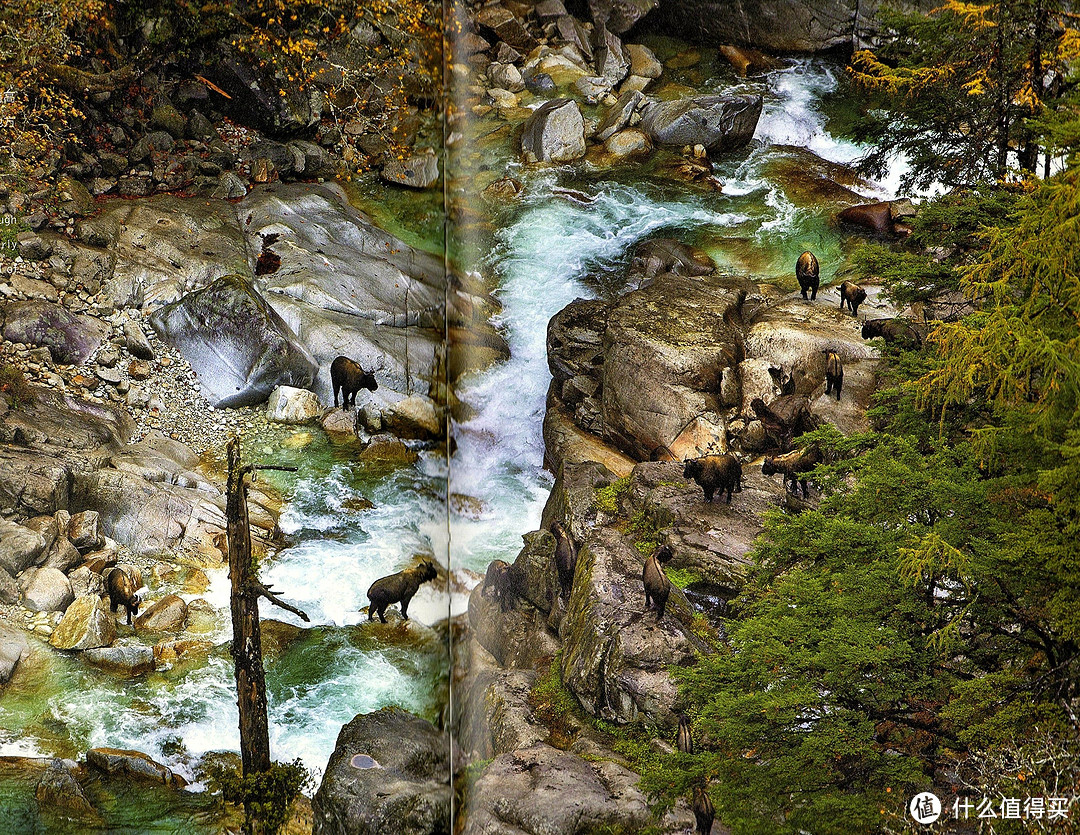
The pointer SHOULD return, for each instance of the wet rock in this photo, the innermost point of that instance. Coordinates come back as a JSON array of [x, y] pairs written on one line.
[[408, 790], [19, 547], [13, 648], [417, 171], [719, 123], [539, 83], [84, 532], [165, 615], [413, 417], [555, 132], [58, 789], [643, 61], [129, 661], [86, 624], [619, 115], [386, 449], [238, 345], [48, 591], [339, 422], [628, 143], [70, 337], [505, 188], [86, 581], [136, 342], [292, 405], [502, 99], [872, 217], [132, 764], [170, 653], [746, 60]]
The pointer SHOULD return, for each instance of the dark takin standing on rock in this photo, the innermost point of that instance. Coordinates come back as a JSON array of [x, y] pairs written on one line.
[[794, 465], [684, 740], [834, 373], [565, 558], [657, 585], [807, 272], [853, 294], [900, 332], [703, 811], [122, 584], [349, 377], [499, 578], [398, 587], [784, 418], [715, 473]]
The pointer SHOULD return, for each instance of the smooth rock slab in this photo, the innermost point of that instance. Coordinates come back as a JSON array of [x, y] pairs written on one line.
[[48, 591], [127, 660], [19, 547], [86, 624], [134, 764], [13, 648], [70, 337], [418, 171], [169, 613]]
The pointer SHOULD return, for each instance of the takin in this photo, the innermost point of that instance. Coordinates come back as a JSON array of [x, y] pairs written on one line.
[[806, 271], [703, 811], [122, 584], [715, 473], [794, 465], [900, 332], [853, 294], [657, 585], [398, 587], [784, 418], [684, 740], [834, 373], [348, 377], [499, 577], [565, 558]]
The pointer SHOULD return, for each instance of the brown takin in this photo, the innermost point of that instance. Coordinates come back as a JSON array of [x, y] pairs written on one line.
[[853, 295], [703, 811], [807, 272], [348, 377], [794, 465], [122, 584], [834, 373], [397, 588], [715, 473], [565, 558], [657, 585]]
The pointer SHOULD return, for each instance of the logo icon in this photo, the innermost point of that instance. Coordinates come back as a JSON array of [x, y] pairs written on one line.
[[925, 807]]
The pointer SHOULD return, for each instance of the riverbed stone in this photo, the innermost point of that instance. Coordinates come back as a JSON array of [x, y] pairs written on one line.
[[408, 792], [84, 532], [130, 660], [414, 417], [58, 788], [239, 347], [618, 116], [627, 143], [48, 591], [85, 581], [292, 405], [133, 764], [419, 171], [643, 61], [19, 547], [13, 648], [165, 615], [719, 123], [555, 132], [71, 338], [86, 624], [64, 556]]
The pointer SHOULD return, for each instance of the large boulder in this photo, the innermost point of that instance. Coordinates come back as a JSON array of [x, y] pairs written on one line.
[[86, 624], [70, 337], [19, 547], [238, 345], [720, 123], [13, 648], [58, 789], [134, 765], [555, 132], [48, 591], [390, 772], [615, 658], [620, 15], [292, 405], [130, 660], [84, 532], [165, 615]]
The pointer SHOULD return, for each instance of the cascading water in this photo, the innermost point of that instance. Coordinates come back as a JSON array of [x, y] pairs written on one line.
[[553, 250]]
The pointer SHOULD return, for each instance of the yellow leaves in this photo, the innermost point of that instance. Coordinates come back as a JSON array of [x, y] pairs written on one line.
[[978, 84], [974, 15], [869, 72]]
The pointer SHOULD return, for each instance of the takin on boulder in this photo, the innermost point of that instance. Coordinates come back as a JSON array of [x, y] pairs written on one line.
[[657, 585], [348, 377], [807, 272], [122, 584], [715, 473], [794, 465], [398, 588], [565, 558], [853, 294], [834, 373]]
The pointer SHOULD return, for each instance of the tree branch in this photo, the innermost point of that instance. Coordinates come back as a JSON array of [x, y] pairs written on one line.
[[264, 591]]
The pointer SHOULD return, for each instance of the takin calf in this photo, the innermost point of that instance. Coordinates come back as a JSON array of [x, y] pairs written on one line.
[[715, 472], [853, 294], [900, 332], [657, 585], [565, 558], [349, 377], [784, 418], [834, 373], [794, 465], [500, 577], [121, 584], [806, 271], [398, 587]]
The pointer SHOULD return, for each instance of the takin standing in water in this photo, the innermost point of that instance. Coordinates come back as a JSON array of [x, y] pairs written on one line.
[[684, 740], [807, 272], [499, 576], [715, 473], [565, 558], [398, 587], [853, 294], [834, 373], [794, 465], [657, 585], [349, 377], [703, 811], [121, 584]]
